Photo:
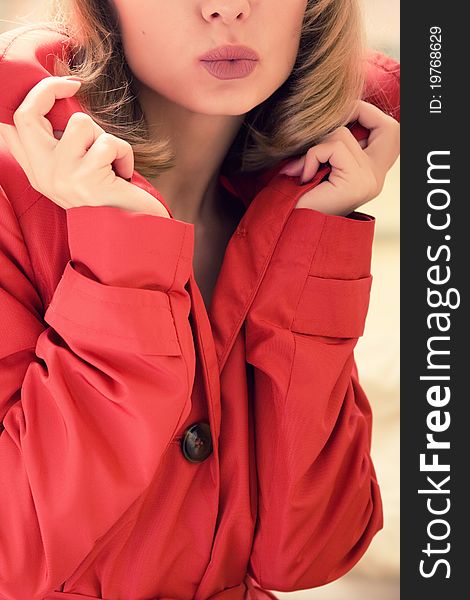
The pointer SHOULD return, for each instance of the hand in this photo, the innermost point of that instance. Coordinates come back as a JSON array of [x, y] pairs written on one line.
[[75, 170], [358, 169]]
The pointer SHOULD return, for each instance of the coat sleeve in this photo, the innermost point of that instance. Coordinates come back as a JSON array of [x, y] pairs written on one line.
[[319, 501], [92, 391]]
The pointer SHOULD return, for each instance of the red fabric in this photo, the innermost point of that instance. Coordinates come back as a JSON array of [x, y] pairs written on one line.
[[107, 355]]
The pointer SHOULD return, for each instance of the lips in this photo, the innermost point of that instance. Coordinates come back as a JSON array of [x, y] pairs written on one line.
[[230, 53], [230, 62], [229, 69]]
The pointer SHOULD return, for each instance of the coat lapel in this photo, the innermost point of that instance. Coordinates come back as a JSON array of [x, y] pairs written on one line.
[[248, 254]]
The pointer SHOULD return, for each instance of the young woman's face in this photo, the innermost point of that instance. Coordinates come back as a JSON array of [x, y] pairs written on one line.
[[163, 42]]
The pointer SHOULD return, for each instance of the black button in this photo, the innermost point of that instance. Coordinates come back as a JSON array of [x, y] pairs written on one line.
[[197, 442]]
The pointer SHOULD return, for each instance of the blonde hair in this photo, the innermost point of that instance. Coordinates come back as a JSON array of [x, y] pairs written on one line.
[[318, 96]]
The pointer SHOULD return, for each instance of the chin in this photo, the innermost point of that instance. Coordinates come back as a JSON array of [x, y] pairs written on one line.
[[216, 106]]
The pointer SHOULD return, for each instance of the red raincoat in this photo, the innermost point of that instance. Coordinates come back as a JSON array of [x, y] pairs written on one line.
[[151, 449]]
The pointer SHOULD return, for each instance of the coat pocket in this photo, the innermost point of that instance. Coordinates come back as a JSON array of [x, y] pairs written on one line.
[[333, 307]]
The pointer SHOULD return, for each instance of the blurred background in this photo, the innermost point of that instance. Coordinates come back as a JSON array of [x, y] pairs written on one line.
[[376, 576]]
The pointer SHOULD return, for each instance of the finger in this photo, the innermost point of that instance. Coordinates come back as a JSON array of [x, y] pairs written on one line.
[[343, 134], [34, 130], [336, 153], [109, 149], [78, 138], [311, 165], [383, 142], [374, 119], [384, 145], [368, 115], [79, 135]]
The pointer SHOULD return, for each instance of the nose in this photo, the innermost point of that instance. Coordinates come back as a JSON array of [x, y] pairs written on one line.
[[225, 10]]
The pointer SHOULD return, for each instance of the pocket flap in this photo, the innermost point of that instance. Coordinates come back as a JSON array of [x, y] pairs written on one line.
[[333, 307], [125, 319]]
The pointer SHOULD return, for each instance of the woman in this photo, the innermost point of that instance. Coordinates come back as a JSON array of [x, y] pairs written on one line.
[[153, 446]]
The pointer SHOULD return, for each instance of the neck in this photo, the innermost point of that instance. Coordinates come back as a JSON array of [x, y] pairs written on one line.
[[201, 143]]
